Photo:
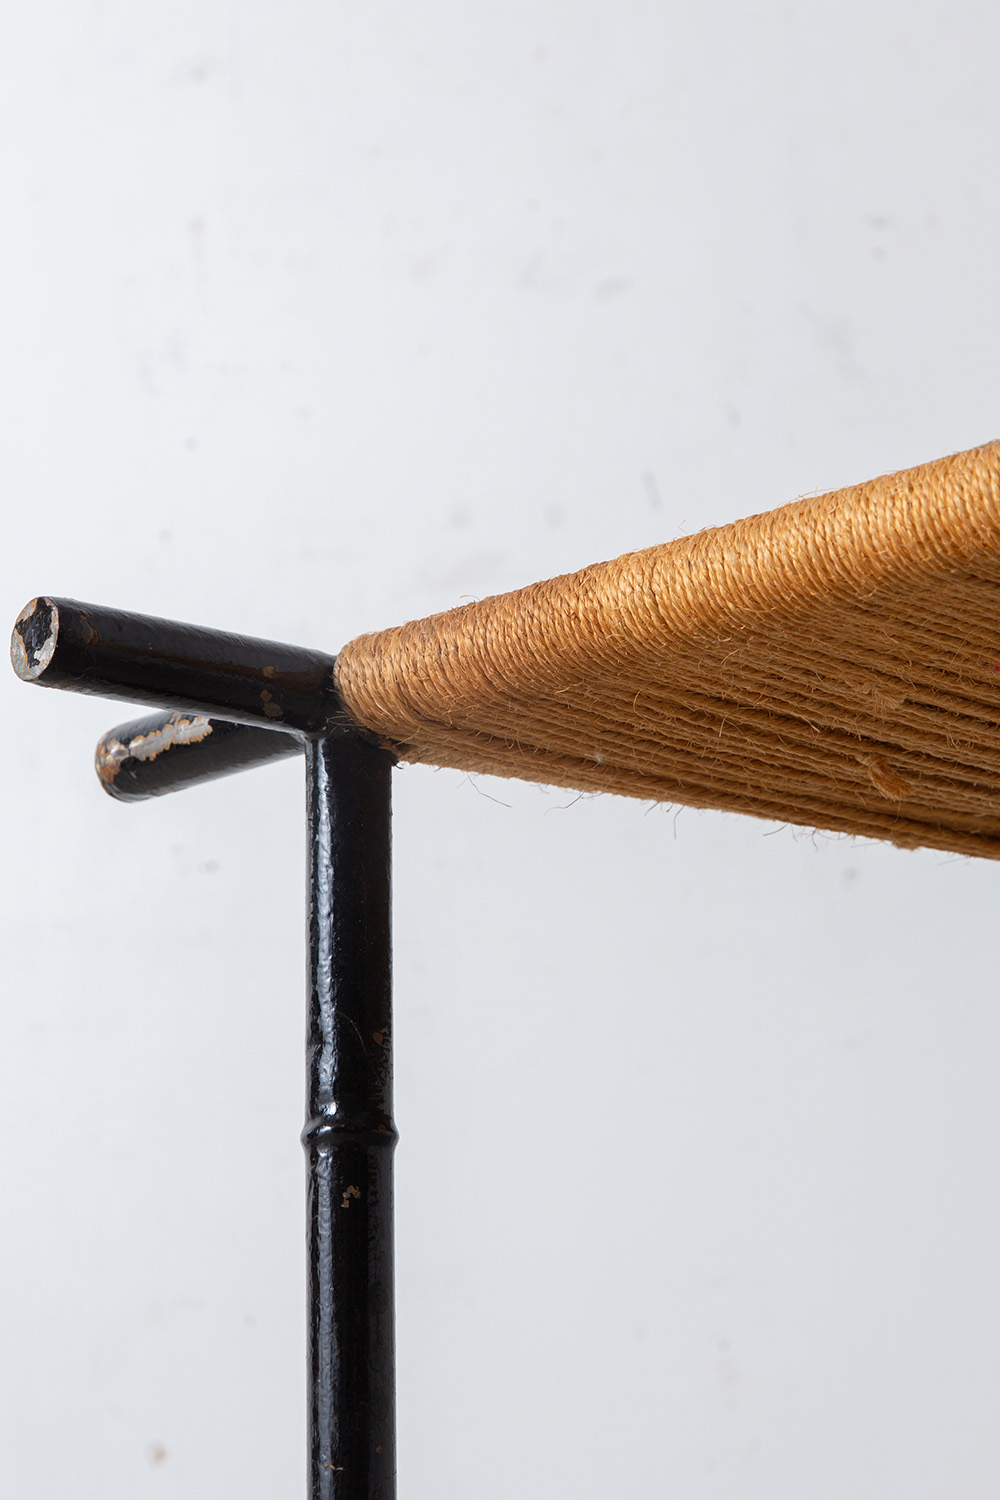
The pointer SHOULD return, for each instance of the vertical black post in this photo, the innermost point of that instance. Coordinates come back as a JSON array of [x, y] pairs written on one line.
[[349, 1134], [238, 702]]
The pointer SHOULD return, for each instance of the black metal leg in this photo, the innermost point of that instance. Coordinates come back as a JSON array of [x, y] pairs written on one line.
[[350, 1135], [239, 702]]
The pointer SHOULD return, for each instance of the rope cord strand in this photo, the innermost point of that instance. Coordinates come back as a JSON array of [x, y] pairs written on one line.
[[833, 663]]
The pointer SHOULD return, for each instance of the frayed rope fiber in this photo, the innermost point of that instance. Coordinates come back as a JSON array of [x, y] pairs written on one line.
[[834, 663]]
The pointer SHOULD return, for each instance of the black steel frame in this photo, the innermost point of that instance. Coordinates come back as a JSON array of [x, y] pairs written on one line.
[[233, 702]]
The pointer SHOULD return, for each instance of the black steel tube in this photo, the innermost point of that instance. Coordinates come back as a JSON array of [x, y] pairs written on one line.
[[349, 1135], [167, 752], [239, 701], [62, 643]]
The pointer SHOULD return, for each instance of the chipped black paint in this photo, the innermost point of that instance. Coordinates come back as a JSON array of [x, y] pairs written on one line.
[[168, 752], [34, 630], [170, 665], [224, 719]]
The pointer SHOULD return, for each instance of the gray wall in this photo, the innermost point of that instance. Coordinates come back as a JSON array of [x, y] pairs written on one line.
[[317, 317]]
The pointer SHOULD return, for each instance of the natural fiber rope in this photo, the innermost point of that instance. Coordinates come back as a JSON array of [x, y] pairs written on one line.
[[833, 663]]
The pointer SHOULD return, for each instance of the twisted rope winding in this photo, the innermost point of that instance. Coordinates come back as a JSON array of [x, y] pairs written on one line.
[[833, 663]]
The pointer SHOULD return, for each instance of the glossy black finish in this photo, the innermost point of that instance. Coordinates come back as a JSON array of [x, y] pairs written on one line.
[[167, 752], [236, 703], [349, 1135], [63, 643]]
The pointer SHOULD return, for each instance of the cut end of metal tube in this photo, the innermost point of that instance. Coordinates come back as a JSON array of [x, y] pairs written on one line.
[[34, 637]]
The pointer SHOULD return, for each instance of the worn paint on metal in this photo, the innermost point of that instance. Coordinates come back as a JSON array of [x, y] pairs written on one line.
[[180, 729], [33, 639], [349, 1135], [176, 729], [88, 648]]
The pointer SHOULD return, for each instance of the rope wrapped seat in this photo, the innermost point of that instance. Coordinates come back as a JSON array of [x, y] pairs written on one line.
[[834, 663]]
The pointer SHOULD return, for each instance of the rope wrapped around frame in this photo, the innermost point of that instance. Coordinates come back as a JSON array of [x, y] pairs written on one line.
[[833, 663]]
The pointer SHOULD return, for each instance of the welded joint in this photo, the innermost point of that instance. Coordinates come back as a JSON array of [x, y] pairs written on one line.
[[227, 702]]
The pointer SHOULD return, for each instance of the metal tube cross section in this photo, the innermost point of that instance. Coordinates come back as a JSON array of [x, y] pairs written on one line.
[[232, 702]]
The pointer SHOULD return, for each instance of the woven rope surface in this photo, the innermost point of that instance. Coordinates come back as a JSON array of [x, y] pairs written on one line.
[[833, 663]]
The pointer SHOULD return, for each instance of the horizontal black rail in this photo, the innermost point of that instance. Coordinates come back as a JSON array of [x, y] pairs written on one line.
[[108, 652], [167, 752]]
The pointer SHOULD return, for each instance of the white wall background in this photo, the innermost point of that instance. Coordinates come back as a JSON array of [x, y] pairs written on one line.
[[319, 316]]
